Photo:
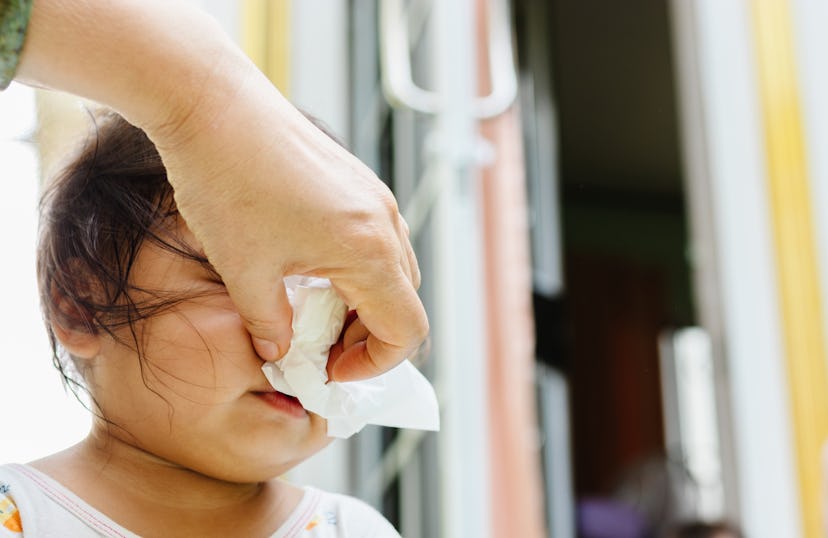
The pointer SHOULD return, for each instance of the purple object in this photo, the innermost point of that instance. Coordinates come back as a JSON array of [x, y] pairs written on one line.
[[605, 518]]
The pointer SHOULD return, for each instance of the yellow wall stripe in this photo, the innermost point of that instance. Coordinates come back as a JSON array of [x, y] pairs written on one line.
[[799, 286], [266, 38]]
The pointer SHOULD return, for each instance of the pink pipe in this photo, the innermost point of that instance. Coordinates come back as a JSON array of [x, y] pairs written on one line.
[[516, 488]]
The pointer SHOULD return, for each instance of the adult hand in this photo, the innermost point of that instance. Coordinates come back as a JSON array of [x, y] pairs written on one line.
[[269, 195], [265, 192]]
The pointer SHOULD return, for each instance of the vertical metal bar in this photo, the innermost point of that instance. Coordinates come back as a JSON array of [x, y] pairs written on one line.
[[458, 279], [539, 115], [702, 221], [366, 452], [690, 417], [553, 404], [412, 522], [732, 254], [364, 83]]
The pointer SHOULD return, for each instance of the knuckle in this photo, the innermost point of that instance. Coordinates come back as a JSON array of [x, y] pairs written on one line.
[[416, 278], [389, 204], [404, 225], [420, 331], [377, 247], [425, 330], [259, 325]]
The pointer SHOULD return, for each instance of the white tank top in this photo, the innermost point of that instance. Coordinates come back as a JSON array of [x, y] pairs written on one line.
[[34, 505]]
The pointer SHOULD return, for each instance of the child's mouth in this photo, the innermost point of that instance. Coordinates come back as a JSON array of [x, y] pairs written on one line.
[[282, 402]]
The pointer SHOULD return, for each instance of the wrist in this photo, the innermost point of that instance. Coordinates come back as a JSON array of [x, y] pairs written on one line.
[[147, 59], [196, 100]]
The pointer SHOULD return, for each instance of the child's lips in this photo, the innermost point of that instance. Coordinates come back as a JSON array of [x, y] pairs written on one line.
[[282, 402]]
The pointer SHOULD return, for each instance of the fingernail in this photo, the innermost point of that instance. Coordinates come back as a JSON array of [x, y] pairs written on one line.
[[266, 349]]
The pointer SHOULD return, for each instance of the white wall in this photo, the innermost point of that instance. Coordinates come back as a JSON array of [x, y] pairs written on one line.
[[38, 417]]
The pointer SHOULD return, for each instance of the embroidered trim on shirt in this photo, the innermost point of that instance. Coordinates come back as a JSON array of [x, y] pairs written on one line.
[[14, 19], [301, 521], [70, 504]]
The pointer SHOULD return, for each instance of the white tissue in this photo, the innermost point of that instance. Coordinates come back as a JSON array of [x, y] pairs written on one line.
[[401, 398]]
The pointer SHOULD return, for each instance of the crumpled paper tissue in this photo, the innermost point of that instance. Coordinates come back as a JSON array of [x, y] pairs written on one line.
[[401, 398]]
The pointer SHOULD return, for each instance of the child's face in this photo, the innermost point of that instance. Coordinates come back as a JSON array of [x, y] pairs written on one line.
[[196, 399]]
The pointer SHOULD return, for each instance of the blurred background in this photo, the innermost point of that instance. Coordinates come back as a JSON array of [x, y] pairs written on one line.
[[621, 215]]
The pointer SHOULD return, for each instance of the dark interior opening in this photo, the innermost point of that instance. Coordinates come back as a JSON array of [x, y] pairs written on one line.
[[623, 226]]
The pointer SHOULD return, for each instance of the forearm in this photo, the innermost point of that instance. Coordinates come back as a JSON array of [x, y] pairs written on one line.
[[14, 17], [149, 59]]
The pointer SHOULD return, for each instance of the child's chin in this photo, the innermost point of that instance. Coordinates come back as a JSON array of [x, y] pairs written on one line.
[[260, 463], [250, 474], [262, 471]]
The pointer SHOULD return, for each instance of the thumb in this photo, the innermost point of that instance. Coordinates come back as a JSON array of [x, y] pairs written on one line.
[[266, 315]]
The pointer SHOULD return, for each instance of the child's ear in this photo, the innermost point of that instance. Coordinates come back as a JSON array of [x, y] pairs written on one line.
[[79, 342], [73, 327]]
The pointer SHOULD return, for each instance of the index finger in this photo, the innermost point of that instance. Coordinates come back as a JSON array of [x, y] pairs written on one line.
[[398, 325]]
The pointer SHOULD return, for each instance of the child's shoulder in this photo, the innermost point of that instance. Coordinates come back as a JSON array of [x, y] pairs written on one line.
[[323, 514], [33, 504]]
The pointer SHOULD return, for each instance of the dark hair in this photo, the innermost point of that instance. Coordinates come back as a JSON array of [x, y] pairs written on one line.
[[95, 215]]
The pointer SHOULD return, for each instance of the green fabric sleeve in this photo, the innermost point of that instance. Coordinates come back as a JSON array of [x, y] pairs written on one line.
[[14, 18]]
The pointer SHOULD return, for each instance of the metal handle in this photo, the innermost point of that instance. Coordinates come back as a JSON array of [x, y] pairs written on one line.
[[502, 69], [395, 60]]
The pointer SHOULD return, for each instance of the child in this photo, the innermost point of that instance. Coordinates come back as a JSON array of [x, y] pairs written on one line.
[[188, 437]]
